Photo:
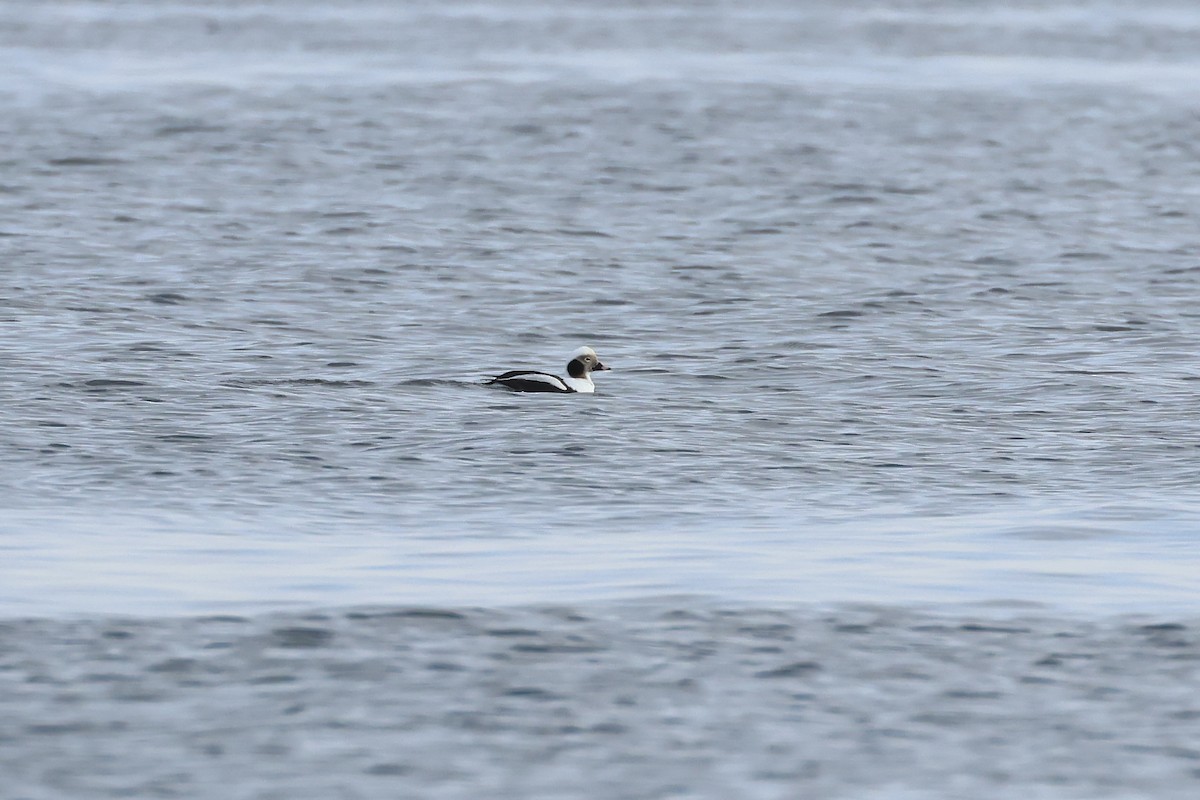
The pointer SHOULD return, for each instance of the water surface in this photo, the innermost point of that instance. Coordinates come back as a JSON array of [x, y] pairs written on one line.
[[901, 303]]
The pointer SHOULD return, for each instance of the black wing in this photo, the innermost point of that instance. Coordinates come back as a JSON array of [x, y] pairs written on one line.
[[527, 381]]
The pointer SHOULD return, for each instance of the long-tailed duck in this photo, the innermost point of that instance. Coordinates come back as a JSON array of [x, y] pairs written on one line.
[[579, 376]]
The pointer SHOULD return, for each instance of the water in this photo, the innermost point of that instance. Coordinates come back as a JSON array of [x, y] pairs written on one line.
[[665, 701], [900, 300]]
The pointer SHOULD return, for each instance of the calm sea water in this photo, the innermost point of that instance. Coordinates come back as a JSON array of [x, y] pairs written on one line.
[[901, 301], [901, 305]]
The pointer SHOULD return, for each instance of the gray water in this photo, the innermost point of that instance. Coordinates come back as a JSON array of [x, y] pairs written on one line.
[[651, 701], [900, 301]]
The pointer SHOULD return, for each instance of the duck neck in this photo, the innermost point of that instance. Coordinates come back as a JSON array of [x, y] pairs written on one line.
[[583, 384]]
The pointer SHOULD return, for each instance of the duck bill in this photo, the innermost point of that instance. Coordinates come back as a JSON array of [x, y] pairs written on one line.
[[599, 367]]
